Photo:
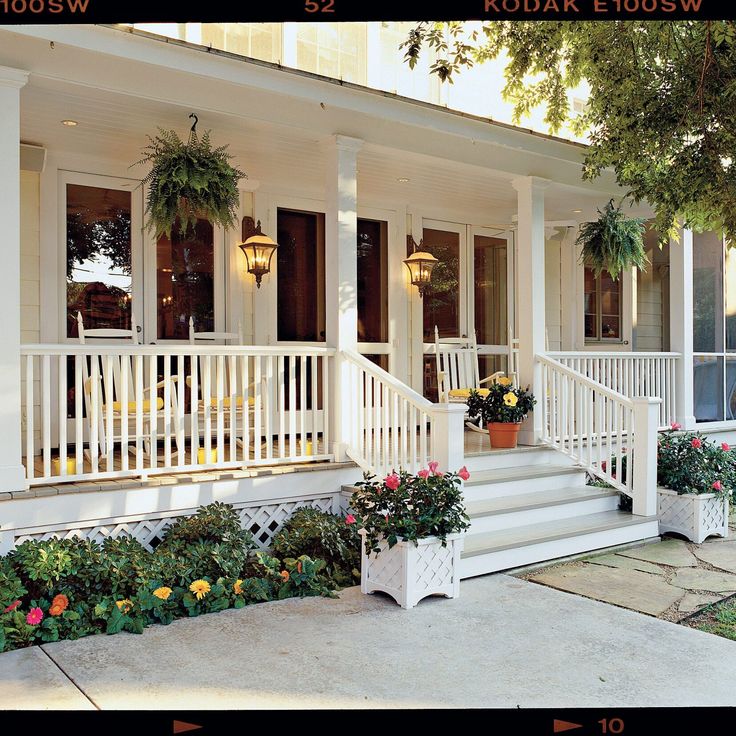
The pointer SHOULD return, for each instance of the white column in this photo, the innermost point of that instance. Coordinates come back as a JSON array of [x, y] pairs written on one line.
[[681, 324], [12, 473], [341, 272], [530, 284], [572, 309], [448, 436], [644, 482]]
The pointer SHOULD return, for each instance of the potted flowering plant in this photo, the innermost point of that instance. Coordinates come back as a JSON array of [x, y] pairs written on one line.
[[502, 410], [412, 528], [695, 478]]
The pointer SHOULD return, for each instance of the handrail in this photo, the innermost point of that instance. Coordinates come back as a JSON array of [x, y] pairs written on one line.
[[176, 349], [624, 354], [585, 381]]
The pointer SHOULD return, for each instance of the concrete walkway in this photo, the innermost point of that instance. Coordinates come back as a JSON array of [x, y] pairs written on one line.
[[504, 642]]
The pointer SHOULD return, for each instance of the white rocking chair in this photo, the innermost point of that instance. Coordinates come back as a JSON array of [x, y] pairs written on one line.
[[103, 388]]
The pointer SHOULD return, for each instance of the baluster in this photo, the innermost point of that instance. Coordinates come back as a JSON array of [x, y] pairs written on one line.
[[245, 394], [220, 411], [30, 411], [423, 455], [292, 407], [303, 404], [325, 404], [194, 404], [152, 412], [257, 408], [369, 451], [124, 399], [139, 396], [207, 410], [281, 389], [232, 390], [395, 430], [269, 398], [109, 397]]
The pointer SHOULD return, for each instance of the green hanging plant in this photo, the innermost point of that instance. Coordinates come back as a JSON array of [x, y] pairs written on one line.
[[188, 181], [613, 242]]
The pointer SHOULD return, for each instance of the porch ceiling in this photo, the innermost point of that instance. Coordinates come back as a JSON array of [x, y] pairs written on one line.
[[281, 151]]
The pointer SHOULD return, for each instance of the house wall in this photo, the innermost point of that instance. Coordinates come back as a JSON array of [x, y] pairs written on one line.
[[652, 323], [553, 293]]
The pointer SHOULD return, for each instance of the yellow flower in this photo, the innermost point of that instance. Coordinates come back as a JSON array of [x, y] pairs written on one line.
[[200, 588], [510, 399], [163, 593], [237, 587], [504, 381], [125, 605]]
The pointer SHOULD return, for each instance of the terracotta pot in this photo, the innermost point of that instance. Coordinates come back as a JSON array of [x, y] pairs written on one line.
[[503, 434]]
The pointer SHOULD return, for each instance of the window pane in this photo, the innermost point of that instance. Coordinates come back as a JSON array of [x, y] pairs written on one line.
[[185, 268], [730, 388], [380, 360], [590, 331], [490, 290], [610, 327], [730, 299], [98, 263], [429, 382], [441, 301], [590, 307], [301, 276], [708, 388], [372, 281], [490, 364], [707, 293]]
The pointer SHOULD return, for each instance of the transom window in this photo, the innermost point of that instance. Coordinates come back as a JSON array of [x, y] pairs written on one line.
[[602, 307]]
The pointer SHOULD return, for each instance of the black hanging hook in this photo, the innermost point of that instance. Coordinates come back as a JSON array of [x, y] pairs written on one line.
[[194, 125]]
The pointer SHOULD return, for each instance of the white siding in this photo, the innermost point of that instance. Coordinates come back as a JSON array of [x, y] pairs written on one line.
[[552, 292], [649, 308]]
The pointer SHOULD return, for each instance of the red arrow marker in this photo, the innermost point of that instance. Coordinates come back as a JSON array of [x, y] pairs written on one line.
[[559, 726], [182, 727]]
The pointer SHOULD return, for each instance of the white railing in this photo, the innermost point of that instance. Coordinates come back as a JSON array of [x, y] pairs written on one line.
[[630, 374], [612, 436], [391, 427], [95, 411]]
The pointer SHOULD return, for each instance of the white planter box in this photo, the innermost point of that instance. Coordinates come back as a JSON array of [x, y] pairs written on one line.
[[408, 572], [696, 516]]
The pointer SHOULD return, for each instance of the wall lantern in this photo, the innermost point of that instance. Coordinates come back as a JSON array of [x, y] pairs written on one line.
[[420, 265], [258, 249]]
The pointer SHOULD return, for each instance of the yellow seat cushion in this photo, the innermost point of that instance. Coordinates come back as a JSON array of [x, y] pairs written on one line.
[[464, 393], [133, 405], [226, 402]]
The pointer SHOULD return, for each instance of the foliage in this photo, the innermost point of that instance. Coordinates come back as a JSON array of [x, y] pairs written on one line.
[[322, 535], [613, 242], [504, 403], [687, 462], [67, 588], [188, 181], [718, 618], [660, 108], [409, 507]]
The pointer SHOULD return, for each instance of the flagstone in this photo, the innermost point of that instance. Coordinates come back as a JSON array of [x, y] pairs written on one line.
[[626, 563], [673, 552], [693, 601], [722, 556], [715, 582]]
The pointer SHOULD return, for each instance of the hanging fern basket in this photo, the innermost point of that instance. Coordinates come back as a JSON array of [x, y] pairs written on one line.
[[189, 181], [613, 242]]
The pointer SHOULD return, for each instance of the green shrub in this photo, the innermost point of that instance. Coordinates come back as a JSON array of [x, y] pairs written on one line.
[[321, 535], [64, 589]]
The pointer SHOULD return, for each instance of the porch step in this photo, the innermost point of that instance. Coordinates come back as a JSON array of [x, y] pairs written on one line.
[[523, 509], [504, 549], [490, 459], [500, 482]]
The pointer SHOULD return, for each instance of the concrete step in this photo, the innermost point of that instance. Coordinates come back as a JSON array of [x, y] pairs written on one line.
[[501, 550], [487, 484], [523, 509], [513, 458]]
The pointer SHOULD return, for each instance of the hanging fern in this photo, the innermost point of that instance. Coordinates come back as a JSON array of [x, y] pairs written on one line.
[[188, 181], [613, 242]]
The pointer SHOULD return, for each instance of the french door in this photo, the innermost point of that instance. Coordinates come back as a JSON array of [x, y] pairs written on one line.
[[471, 289]]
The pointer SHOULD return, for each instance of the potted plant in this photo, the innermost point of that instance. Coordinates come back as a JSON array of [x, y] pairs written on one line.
[[189, 181], [695, 478], [613, 242], [412, 528], [502, 410]]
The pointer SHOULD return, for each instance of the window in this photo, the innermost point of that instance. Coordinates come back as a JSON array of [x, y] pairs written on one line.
[[256, 40], [335, 50], [602, 307], [98, 258], [372, 281], [714, 328]]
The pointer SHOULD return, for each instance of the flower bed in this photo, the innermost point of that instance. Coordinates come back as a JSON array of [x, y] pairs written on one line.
[[69, 588]]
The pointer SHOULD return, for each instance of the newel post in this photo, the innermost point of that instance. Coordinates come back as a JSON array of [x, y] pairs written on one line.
[[448, 436], [644, 481]]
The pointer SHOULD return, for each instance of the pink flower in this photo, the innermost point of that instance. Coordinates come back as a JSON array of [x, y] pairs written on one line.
[[696, 443], [717, 486], [350, 519], [433, 466], [603, 466], [440, 474], [392, 482], [675, 426], [34, 617], [463, 473], [12, 607], [386, 517], [423, 474], [725, 446]]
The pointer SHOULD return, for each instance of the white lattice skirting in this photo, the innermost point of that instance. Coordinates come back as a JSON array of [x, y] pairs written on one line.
[[409, 572], [694, 516]]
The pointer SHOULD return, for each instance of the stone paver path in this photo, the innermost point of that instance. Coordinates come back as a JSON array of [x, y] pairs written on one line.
[[669, 579]]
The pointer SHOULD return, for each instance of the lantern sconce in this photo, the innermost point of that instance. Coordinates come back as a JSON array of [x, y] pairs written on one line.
[[258, 249], [420, 265]]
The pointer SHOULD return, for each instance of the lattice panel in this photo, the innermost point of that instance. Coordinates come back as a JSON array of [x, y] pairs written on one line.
[[677, 514], [714, 514], [433, 566], [387, 568], [263, 521]]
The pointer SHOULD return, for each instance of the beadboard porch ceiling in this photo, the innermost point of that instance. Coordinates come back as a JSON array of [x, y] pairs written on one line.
[[281, 151]]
